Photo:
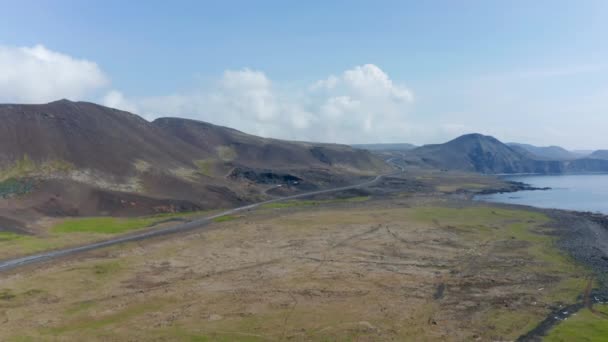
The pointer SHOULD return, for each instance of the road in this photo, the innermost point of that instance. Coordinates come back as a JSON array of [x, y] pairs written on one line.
[[192, 225]]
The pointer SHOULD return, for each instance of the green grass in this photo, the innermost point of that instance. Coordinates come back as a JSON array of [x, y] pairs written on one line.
[[539, 255], [26, 243], [26, 167], [226, 153], [113, 225], [89, 323], [304, 203], [205, 166], [104, 225], [225, 218], [584, 326], [77, 231], [106, 268]]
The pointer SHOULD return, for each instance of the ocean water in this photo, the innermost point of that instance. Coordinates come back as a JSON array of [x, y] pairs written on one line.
[[572, 192]]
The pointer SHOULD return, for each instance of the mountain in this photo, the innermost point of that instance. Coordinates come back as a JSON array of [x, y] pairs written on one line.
[[599, 154], [79, 158], [486, 154], [548, 152], [472, 152], [228, 144], [582, 153], [385, 147], [483, 154]]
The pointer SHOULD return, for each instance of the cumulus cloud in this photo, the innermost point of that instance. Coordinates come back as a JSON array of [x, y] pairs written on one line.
[[37, 74], [362, 103], [116, 99]]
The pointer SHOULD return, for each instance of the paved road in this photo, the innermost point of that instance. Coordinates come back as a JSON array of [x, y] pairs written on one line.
[[196, 224]]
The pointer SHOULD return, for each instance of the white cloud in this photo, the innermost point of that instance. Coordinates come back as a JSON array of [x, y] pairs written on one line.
[[116, 99], [369, 80], [37, 75], [362, 103]]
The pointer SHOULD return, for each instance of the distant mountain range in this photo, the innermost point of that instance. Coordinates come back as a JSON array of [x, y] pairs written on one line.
[[599, 154], [385, 147], [548, 152], [486, 154], [76, 158]]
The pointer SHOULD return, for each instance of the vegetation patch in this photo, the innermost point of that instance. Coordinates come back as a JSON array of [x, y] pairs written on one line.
[[205, 166], [582, 326], [303, 203], [226, 153], [114, 225], [463, 186], [7, 294], [106, 268], [25, 167], [104, 225], [225, 218], [89, 323], [142, 166]]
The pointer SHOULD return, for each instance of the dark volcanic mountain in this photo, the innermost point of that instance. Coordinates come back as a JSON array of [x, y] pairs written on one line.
[[599, 154], [79, 158], [547, 153], [87, 136], [253, 151], [473, 152], [385, 147], [486, 154]]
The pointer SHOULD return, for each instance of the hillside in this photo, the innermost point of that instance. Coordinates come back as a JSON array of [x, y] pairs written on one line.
[[547, 153], [79, 158], [385, 147], [486, 154], [599, 154], [229, 145], [473, 152]]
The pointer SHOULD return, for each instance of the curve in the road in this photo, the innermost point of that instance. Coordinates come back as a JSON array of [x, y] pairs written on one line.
[[196, 224]]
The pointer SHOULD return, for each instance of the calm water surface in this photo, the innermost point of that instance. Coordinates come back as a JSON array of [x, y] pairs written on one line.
[[573, 192]]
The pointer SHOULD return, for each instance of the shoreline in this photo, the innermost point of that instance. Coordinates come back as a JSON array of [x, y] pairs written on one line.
[[582, 235], [513, 186]]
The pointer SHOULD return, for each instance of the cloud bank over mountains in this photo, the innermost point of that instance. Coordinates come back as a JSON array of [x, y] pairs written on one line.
[[361, 104], [37, 74]]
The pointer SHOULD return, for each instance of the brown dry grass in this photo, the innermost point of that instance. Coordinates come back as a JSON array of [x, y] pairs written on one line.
[[393, 269]]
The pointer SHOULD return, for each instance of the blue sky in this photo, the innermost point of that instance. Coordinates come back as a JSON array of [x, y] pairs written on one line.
[[533, 71]]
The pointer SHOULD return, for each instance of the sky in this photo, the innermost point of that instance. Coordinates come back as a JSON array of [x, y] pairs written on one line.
[[331, 71]]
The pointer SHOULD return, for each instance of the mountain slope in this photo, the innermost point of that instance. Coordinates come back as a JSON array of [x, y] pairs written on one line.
[[85, 136], [79, 158], [599, 154], [385, 147], [230, 145], [486, 154], [547, 153], [473, 152]]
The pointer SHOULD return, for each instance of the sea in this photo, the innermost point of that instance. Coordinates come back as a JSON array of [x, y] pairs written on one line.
[[571, 192]]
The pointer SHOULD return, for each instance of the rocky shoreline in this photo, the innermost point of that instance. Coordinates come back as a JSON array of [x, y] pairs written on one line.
[[584, 236], [511, 186]]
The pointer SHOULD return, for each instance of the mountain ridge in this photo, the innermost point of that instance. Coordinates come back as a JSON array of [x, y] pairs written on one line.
[[485, 154], [81, 158]]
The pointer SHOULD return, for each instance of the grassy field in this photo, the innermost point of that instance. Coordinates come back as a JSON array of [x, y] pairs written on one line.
[[391, 269], [305, 203], [584, 326], [76, 231]]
